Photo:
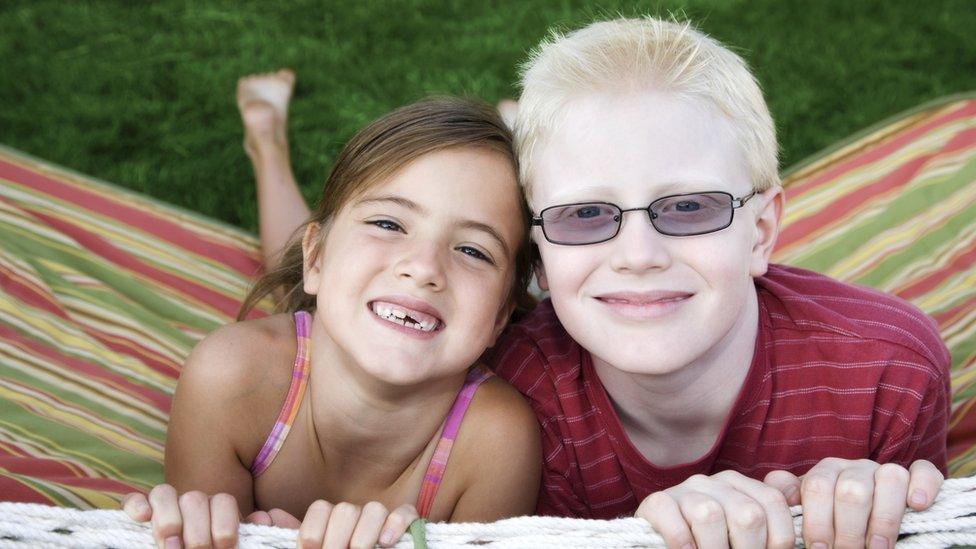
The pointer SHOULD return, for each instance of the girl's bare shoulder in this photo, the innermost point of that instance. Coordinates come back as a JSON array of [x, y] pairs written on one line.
[[241, 373]]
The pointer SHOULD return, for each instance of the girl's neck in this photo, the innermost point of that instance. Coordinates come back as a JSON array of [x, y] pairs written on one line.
[[362, 424]]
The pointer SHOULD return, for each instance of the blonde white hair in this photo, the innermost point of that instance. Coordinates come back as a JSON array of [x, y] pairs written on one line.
[[624, 54]]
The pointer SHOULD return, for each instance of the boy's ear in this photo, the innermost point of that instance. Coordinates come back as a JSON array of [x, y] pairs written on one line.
[[311, 246], [768, 217], [540, 275]]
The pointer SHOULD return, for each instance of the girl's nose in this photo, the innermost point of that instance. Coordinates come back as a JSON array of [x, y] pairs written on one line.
[[422, 265]]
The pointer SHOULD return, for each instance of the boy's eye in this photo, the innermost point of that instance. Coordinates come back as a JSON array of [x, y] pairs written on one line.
[[475, 253], [387, 225]]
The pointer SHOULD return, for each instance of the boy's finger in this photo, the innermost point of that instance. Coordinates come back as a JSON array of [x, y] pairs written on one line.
[[924, 484], [195, 509], [342, 521], [707, 519], [745, 519], [397, 523], [890, 491], [662, 511], [283, 519], [367, 530], [224, 520], [853, 500], [780, 532], [787, 483], [167, 522], [137, 507], [817, 497], [311, 533]]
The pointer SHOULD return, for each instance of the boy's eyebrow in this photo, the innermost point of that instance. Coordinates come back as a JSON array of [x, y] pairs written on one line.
[[465, 224]]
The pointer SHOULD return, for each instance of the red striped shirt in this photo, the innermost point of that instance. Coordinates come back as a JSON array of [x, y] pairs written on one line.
[[839, 371]]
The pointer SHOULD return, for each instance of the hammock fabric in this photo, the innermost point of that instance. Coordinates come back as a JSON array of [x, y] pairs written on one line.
[[103, 292]]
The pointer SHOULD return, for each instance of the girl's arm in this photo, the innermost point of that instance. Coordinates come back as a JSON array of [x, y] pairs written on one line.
[[208, 488], [501, 460]]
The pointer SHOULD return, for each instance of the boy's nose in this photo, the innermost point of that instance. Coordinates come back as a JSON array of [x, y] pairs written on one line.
[[423, 265], [638, 247]]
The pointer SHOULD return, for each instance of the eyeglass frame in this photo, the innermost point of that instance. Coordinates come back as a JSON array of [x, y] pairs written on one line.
[[736, 203]]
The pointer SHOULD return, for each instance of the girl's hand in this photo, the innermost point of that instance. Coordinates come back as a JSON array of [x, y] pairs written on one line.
[[346, 525], [193, 519]]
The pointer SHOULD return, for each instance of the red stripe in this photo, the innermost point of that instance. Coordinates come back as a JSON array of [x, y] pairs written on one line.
[[949, 316], [29, 295], [964, 260], [879, 151], [87, 198], [35, 466], [14, 490], [846, 204], [155, 397]]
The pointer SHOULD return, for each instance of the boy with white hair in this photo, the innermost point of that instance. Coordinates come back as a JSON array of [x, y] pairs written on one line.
[[673, 365]]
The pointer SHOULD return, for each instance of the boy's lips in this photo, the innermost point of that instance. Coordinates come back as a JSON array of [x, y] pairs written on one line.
[[644, 305], [412, 314]]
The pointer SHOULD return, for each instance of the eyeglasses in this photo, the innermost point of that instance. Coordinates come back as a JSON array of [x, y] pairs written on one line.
[[687, 214]]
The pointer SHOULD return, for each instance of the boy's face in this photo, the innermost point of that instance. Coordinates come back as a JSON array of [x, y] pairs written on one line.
[[644, 302]]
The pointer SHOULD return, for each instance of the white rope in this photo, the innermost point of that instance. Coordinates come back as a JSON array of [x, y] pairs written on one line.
[[950, 521]]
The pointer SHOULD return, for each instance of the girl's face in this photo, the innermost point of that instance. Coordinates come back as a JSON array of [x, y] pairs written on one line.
[[413, 278]]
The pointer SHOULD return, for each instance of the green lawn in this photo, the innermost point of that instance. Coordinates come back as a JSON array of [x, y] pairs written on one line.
[[141, 93]]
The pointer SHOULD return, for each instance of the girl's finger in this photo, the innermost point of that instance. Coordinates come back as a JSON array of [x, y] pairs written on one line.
[[396, 524], [195, 509], [924, 484], [311, 533], [167, 523], [224, 520], [342, 522], [136, 505], [371, 520], [283, 519], [890, 492]]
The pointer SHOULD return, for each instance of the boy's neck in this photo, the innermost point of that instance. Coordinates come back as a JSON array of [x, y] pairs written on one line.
[[675, 418]]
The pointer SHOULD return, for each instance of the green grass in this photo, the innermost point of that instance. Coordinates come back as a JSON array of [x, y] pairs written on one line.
[[141, 93]]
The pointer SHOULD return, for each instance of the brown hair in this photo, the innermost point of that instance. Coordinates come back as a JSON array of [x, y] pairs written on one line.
[[374, 154]]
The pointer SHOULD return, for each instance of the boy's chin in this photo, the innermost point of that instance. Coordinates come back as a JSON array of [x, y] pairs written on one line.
[[650, 364]]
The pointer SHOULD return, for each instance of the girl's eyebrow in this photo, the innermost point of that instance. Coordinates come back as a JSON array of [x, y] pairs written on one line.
[[465, 224]]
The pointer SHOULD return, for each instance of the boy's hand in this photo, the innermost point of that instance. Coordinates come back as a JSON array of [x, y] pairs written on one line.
[[192, 520], [346, 525], [858, 503], [724, 509]]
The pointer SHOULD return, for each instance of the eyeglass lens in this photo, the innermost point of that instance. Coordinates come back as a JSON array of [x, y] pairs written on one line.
[[680, 215]]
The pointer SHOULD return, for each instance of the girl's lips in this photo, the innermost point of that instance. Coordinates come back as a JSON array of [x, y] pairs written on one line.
[[407, 315]]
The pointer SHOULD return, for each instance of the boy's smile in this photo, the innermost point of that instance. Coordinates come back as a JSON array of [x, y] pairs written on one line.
[[643, 302]]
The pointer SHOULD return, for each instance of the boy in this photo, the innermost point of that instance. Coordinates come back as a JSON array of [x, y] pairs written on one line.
[[670, 349]]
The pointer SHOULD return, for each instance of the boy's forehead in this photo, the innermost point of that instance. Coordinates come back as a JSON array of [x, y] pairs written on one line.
[[635, 146]]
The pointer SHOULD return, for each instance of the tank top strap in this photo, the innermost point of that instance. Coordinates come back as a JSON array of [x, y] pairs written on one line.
[[299, 379], [438, 462]]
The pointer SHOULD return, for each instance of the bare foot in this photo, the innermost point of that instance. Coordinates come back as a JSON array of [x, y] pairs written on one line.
[[508, 109], [263, 102]]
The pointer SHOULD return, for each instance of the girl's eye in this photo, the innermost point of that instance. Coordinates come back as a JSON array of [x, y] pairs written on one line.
[[475, 253], [387, 225]]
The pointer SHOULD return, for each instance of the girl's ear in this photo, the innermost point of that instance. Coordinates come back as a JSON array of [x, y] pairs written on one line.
[[540, 275], [311, 269], [768, 217]]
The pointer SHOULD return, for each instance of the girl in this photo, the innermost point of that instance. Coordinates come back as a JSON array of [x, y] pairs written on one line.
[[407, 271]]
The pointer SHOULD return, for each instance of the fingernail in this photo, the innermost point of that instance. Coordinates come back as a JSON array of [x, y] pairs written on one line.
[[386, 537], [173, 542], [819, 545], [790, 491], [919, 498], [879, 542]]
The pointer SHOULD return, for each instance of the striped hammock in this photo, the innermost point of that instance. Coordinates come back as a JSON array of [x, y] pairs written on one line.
[[103, 292]]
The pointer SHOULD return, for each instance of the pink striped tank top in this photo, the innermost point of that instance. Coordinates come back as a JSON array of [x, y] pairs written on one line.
[[299, 380]]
